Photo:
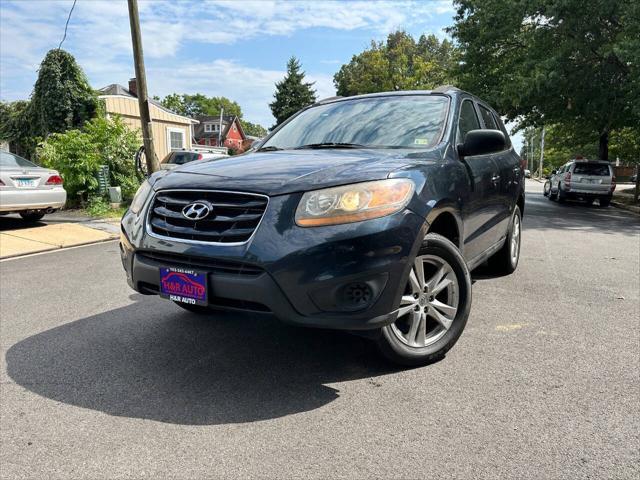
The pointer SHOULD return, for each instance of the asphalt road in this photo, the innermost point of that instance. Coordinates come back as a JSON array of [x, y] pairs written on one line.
[[99, 382]]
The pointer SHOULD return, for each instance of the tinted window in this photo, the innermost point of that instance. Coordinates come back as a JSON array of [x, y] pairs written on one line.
[[487, 117], [596, 169], [468, 120], [10, 160], [407, 121]]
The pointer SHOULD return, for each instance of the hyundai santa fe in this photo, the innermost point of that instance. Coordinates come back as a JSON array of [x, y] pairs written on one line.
[[363, 213]]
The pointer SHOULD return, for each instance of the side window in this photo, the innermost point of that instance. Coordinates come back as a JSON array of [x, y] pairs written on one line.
[[504, 129], [488, 119], [468, 120]]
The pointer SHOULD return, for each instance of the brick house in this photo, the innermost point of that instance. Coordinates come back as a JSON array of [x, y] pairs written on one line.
[[230, 132]]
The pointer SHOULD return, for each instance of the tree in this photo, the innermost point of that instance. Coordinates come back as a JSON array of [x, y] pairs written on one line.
[[292, 93], [400, 63], [78, 154], [253, 129], [16, 127], [61, 98], [569, 62], [199, 104]]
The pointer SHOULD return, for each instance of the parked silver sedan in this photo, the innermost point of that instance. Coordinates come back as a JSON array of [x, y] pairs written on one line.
[[28, 189]]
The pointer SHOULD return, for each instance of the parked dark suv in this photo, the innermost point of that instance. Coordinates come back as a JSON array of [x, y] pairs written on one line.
[[363, 213]]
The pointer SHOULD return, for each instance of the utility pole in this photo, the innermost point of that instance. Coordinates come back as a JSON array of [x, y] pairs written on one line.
[[541, 152], [141, 81], [220, 128]]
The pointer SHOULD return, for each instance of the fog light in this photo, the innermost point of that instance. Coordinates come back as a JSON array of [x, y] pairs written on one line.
[[357, 294]]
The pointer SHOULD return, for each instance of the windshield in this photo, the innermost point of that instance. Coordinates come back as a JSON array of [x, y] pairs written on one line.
[[407, 121], [10, 160]]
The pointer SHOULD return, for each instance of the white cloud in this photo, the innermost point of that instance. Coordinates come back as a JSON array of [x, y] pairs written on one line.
[[100, 39]]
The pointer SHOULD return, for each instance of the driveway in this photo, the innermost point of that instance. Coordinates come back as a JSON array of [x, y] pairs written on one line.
[[100, 382]]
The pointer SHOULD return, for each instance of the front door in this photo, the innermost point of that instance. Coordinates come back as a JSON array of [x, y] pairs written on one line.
[[481, 208]]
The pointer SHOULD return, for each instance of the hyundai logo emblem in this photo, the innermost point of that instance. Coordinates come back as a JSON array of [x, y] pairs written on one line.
[[197, 210]]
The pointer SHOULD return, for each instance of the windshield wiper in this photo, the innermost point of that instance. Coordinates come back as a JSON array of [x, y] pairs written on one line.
[[331, 145], [270, 148]]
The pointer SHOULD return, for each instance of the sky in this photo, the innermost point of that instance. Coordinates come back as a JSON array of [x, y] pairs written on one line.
[[237, 49]]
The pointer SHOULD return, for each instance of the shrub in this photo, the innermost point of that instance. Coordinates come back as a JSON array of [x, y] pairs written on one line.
[[78, 154]]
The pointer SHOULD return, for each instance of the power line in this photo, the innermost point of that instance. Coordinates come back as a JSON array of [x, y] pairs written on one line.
[[66, 25]]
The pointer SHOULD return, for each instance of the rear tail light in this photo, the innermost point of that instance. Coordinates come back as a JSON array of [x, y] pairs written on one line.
[[613, 183], [54, 180], [523, 163], [567, 180], [199, 157]]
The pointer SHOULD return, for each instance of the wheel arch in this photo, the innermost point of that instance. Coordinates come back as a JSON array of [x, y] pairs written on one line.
[[446, 221]]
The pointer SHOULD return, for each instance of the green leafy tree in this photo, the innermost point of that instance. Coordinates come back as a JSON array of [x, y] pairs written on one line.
[[292, 93], [78, 154], [569, 62], [199, 104], [62, 98], [253, 129], [400, 63], [16, 127]]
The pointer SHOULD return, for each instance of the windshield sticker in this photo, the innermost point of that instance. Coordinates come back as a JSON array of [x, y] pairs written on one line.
[[421, 141]]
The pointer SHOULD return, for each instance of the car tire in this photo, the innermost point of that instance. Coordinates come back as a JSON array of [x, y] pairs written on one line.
[[561, 195], [505, 261], [32, 216], [199, 309], [440, 311], [546, 189], [604, 202]]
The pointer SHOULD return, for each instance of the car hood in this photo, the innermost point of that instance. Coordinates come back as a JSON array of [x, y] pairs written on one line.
[[280, 172]]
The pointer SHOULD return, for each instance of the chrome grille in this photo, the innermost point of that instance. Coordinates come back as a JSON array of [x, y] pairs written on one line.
[[233, 219]]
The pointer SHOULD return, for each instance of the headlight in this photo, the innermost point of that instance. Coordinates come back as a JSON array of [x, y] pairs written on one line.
[[139, 198], [353, 203]]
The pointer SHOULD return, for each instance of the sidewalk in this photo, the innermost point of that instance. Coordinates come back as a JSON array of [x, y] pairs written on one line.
[[54, 235]]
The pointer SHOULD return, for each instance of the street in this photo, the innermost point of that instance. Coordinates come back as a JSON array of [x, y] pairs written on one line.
[[101, 382]]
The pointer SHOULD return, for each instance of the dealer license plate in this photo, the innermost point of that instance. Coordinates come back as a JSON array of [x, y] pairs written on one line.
[[185, 286]]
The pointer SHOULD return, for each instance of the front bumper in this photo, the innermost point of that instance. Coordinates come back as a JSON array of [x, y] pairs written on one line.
[[19, 200], [298, 274]]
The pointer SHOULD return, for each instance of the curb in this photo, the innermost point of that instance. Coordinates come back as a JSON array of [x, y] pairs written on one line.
[[54, 249], [624, 206]]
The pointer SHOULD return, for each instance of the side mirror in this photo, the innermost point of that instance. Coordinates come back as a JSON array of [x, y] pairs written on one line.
[[482, 142]]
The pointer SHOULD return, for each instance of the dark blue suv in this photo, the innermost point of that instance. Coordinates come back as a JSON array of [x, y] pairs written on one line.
[[364, 213]]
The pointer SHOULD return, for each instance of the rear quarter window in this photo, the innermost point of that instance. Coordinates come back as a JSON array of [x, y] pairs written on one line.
[[488, 119], [595, 169]]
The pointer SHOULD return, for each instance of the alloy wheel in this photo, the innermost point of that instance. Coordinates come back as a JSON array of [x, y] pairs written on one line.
[[429, 304]]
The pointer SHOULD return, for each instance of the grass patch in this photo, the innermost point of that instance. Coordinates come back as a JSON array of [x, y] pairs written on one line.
[[99, 208]]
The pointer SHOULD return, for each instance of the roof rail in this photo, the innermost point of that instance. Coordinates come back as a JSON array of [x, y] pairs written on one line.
[[445, 88], [329, 98]]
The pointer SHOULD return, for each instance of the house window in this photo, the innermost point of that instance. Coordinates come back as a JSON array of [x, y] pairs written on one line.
[[208, 127], [175, 139]]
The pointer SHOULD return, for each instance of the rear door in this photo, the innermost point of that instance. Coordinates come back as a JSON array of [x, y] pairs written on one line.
[[591, 178], [480, 210]]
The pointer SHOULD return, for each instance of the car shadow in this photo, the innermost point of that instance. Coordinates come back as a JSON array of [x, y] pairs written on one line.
[[153, 361], [17, 223]]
